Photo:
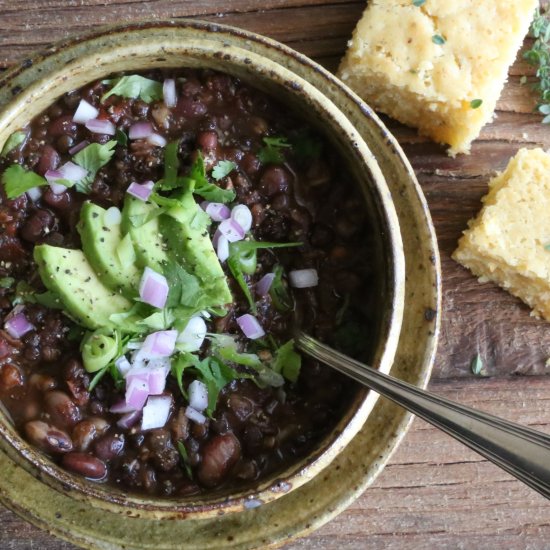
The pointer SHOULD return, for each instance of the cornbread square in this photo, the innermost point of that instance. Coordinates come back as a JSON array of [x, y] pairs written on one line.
[[428, 65], [508, 242]]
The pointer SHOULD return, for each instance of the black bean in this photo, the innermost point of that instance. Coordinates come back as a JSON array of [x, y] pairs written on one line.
[[274, 179], [220, 454], [38, 225], [109, 446]]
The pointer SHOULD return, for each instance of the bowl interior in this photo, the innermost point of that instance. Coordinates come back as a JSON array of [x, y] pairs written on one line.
[[112, 54]]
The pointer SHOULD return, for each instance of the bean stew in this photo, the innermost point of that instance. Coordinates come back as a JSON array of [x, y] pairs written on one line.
[[161, 235]]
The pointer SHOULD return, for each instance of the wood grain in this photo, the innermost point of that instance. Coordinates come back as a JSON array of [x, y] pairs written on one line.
[[434, 492]]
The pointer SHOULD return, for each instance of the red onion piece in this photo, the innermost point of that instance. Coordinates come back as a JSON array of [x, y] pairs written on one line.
[[192, 336], [101, 126], [157, 139], [123, 365], [78, 147], [303, 278], [217, 211], [242, 215], [231, 230], [141, 191], [198, 395], [34, 193], [195, 416], [156, 412], [159, 344], [154, 377], [128, 420], [18, 325], [69, 171], [169, 92], [140, 130], [222, 248], [264, 284], [250, 326], [121, 407], [153, 288], [137, 392], [84, 112]]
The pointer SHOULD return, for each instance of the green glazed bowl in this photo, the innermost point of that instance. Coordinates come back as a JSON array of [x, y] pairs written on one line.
[[313, 490]]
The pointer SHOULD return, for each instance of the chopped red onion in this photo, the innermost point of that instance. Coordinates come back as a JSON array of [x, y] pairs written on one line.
[[195, 416], [153, 288], [198, 395], [141, 191], [53, 175], [231, 230], [157, 139], [69, 171], [137, 391], [242, 215], [264, 284], [140, 130], [58, 188], [156, 412], [112, 216], [159, 344], [101, 126], [169, 92], [18, 325], [78, 147], [222, 248], [217, 211], [128, 420], [34, 193], [303, 278], [123, 365], [121, 407], [155, 378], [250, 326], [192, 336], [84, 112]]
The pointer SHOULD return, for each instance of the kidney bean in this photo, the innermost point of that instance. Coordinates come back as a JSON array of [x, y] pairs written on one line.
[[47, 437], [220, 454], [38, 225], [85, 465], [207, 140], [31, 409], [10, 377], [109, 446], [84, 434], [251, 164], [62, 410], [42, 382], [63, 125], [49, 160], [275, 179]]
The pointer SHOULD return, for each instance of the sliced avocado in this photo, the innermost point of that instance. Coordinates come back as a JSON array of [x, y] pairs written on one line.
[[185, 228], [112, 259], [69, 274], [148, 242]]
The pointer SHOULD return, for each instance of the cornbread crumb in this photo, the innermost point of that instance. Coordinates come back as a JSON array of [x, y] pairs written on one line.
[[509, 241], [428, 66]]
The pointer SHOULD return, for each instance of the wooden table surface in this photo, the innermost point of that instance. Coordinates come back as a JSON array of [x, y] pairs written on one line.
[[434, 493]]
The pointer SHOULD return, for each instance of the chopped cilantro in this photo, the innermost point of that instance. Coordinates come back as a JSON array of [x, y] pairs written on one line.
[[14, 141], [185, 288], [6, 282], [280, 296], [98, 376], [121, 138], [17, 180], [438, 39], [204, 188], [476, 103], [306, 146], [271, 153], [92, 158], [134, 86], [185, 459], [287, 362], [222, 169]]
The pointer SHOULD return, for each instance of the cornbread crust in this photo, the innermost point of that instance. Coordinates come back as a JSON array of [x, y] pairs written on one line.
[[506, 242], [395, 64]]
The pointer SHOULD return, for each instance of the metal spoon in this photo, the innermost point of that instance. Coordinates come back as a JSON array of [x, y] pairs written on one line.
[[521, 451]]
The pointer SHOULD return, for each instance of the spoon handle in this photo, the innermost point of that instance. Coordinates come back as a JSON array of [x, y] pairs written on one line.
[[521, 451]]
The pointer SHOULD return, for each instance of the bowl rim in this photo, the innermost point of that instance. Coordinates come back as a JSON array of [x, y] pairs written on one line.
[[305, 469]]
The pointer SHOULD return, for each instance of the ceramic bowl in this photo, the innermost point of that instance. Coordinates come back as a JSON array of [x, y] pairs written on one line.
[[350, 125]]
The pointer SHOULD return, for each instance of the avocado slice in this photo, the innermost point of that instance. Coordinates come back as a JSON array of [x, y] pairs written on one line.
[[185, 228], [148, 243], [68, 273], [112, 259]]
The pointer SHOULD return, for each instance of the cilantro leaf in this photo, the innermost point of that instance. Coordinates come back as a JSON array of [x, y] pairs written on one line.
[[271, 153], [287, 362], [185, 459], [183, 361], [135, 86], [121, 138], [204, 188], [17, 180], [476, 103], [92, 158], [306, 145], [222, 169], [280, 296], [14, 141], [185, 288]]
